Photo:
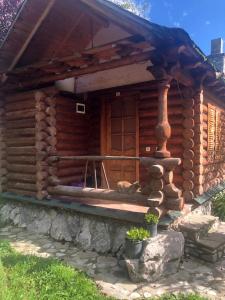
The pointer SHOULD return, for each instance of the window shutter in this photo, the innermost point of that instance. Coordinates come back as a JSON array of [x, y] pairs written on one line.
[[211, 128], [218, 136]]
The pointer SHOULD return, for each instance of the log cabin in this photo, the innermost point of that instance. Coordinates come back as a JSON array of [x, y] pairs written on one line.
[[105, 113]]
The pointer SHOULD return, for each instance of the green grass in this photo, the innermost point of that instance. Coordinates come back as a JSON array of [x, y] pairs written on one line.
[[32, 278], [26, 277]]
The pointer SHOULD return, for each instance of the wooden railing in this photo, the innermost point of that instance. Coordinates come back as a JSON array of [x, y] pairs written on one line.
[[94, 159]]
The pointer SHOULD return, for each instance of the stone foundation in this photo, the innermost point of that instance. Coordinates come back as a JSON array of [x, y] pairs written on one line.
[[90, 233]]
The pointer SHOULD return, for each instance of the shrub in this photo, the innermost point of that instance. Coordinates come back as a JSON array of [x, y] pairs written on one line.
[[137, 234], [218, 206], [151, 219]]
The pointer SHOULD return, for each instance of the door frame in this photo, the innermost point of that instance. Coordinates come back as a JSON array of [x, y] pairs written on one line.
[[105, 119]]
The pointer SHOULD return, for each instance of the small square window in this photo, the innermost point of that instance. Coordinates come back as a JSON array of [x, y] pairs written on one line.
[[80, 108]]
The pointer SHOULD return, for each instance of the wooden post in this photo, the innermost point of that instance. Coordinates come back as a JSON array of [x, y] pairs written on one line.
[[163, 129]]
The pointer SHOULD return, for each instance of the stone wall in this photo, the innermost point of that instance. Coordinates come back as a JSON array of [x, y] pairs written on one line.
[[90, 233]]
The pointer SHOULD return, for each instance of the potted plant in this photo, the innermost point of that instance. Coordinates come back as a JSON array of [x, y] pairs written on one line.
[[152, 223], [134, 241]]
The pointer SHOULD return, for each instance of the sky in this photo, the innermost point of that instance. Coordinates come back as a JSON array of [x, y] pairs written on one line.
[[204, 20]]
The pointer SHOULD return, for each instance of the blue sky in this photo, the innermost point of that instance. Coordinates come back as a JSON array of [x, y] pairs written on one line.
[[202, 19]]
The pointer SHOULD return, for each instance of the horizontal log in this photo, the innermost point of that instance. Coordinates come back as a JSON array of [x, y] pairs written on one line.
[[54, 180], [151, 131], [62, 190], [188, 164], [41, 175], [16, 106], [152, 103], [27, 123], [78, 147], [188, 196], [188, 154], [50, 121], [189, 123], [188, 185], [188, 143], [70, 171], [188, 113], [20, 97], [20, 185], [51, 130], [40, 195], [40, 116], [19, 168], [149, 122], [188, 133], [70, 179], [174, 204], [21, 150], [20, 132], [20, 142], [23, 159], [21, 177], [20, 114], [188, 174], [176, 110], [21, 192]]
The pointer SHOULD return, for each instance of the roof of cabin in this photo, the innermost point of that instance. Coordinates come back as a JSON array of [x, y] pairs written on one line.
[[44, 32]]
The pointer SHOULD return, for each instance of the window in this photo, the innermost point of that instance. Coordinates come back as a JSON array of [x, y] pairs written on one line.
[[214, 132]]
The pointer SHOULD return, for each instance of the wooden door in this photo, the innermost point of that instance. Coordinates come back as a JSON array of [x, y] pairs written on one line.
[[121, 139]]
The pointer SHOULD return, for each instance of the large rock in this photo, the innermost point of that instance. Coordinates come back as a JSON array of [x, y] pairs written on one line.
[[160, 257], [60, 230], [41, 222], [101, 241], [84, 236]]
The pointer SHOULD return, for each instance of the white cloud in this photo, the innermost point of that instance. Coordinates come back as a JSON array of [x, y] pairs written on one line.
[[176, 24], [185, 14], [207, 22]]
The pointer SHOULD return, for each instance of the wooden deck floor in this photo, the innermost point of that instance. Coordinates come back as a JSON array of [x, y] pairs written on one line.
[[123, 211]]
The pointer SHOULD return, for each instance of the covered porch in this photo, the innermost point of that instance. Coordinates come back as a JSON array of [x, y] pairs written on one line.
[[114, 112]]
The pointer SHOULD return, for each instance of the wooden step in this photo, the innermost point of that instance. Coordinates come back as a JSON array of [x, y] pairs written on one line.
[[195, 227], [210, 248]]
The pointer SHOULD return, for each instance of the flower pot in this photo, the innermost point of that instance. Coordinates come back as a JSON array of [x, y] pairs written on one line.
[[133, 248], [152, 228]]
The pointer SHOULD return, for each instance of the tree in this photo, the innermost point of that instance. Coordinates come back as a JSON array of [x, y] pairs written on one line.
[[138, 7], [8, 11]]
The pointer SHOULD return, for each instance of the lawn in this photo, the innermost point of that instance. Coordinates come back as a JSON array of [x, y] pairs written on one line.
[[25, 277]]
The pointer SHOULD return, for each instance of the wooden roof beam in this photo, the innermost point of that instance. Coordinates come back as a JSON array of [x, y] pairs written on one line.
[[31, 35], [87, 54], [83, 71]]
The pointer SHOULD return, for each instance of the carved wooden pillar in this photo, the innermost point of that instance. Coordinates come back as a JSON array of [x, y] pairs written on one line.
[[163, 129]]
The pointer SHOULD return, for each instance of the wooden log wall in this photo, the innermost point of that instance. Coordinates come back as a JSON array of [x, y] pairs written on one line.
[[3, 162], [20, 110], [148, 113], [213, 165], [189, 149], [25, 138], [72, 139]]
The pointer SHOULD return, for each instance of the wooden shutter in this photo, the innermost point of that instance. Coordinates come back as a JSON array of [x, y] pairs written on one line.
[[211, 128], [218, 136]]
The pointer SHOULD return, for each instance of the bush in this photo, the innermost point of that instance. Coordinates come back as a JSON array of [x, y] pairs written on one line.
[[151, 219], [218, 205], [138, 234]]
